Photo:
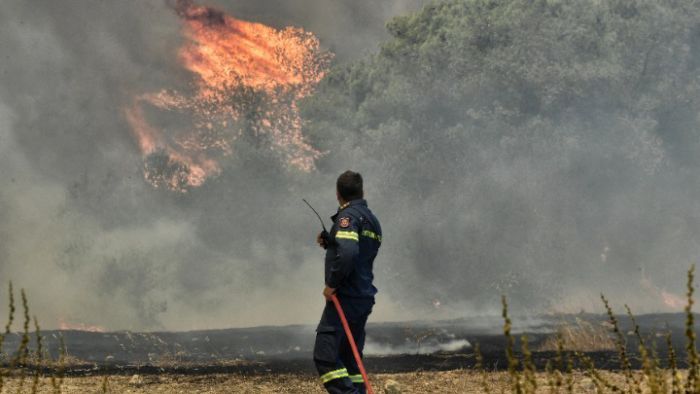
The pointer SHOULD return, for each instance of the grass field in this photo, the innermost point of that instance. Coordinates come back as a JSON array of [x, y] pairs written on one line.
[[566, 371], [414, 382]]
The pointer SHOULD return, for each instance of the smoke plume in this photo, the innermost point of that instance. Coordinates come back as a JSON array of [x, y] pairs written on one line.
[[573, 198]]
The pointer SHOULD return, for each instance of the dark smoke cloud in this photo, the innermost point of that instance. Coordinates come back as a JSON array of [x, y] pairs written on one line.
[[82, 231]]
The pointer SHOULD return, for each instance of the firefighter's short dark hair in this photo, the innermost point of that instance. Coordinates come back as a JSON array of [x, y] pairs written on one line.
[[349, 185]]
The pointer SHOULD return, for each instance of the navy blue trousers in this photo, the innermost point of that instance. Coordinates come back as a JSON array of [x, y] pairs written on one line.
[[332, 352]]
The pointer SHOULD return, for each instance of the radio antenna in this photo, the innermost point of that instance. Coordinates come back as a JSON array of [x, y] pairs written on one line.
[[317, 215]]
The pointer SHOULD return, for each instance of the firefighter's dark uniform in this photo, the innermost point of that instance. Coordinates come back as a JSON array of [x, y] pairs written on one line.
[[355, 239]]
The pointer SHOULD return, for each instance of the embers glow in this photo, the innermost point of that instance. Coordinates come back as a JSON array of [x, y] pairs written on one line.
[[670, 300], [63, 325], [247, 79]]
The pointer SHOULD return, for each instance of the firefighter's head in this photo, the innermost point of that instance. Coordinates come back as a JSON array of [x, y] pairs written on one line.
[[349, 187]]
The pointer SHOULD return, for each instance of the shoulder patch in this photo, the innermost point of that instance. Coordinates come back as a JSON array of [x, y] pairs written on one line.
[[344, 222]]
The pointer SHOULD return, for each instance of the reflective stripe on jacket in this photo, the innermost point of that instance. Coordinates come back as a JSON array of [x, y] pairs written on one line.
[[350, 259]]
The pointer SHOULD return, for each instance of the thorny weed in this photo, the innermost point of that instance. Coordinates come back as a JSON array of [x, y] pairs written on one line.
[[621, 344], [39, 354], [652, 378], [691, 384], [105, 384], [596, 376], [529, 370], [24, 357], [10, 319], [510, 352], [480, 367], [57, 376], [673, 364]]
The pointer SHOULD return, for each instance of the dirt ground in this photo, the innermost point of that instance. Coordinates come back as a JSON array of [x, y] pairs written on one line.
[[415, 382]]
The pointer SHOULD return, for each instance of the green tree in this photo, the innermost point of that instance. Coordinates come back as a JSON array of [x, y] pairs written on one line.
[[518, 141]]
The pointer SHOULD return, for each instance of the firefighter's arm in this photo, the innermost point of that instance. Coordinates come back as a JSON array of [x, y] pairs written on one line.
[[347, 239]]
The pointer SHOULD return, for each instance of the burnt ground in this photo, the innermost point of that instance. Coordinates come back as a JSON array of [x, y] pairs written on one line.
[[391, 347]]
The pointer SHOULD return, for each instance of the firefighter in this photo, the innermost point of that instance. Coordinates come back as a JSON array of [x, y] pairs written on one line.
[[351, 246]]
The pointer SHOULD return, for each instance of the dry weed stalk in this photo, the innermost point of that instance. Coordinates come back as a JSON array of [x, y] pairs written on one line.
[[621, 344], [549, 370], [22, 355], [691, 384], [529, 370], [57, 376], [39, 356], [560, 363], [675, 375], [579, 336], [510, 354], [595, 375], [8, 326], [105, 384], [569, 374], [481, 369]]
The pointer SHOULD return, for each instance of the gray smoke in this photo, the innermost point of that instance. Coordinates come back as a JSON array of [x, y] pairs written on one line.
[[94, 243], [347, 28], [89, 239]]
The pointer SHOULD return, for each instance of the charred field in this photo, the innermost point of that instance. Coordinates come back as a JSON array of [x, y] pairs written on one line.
[[407, 357], [391, 347]]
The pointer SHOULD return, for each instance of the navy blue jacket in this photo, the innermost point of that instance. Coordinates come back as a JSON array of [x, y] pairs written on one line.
[[356, 236]]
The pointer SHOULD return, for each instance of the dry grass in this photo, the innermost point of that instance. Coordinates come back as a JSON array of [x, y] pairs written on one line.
[[650, 379], [580, 336], [415, 382], [521, 377]]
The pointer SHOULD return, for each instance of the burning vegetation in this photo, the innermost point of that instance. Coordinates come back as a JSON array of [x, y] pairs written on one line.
[[246, 78]]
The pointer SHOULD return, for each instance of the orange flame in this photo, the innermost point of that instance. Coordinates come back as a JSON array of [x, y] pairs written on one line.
[[63, 325], [248, 77], [670, 300]]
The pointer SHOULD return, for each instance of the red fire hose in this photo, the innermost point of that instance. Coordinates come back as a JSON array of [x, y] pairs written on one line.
[[355, 353]]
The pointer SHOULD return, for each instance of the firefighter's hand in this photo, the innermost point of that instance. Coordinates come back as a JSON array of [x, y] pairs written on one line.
[[328, 292], [321, 240]]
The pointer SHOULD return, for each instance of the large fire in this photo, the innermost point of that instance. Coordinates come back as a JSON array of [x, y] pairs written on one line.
[[247, 78]]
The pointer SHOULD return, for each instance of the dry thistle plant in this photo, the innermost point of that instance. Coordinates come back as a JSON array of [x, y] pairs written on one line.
[[480, 367], [105, 384], [529, 370], [20, 360], [39, 357], [650, 362], [558, 378], [24, 358], [510, 354], [652, 378], [621, 344], [675, 375], [10, 319], [59, 368], [691, 384]]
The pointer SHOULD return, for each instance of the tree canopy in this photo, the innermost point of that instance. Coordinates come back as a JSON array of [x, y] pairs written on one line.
[[523, 143]]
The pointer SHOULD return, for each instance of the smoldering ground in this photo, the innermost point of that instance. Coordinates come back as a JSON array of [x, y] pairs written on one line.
[[556, 209]]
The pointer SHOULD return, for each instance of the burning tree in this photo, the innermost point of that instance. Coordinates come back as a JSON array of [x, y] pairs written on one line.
[[247, 78]]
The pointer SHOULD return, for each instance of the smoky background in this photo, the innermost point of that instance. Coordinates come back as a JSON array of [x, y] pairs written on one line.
[[484, 186], [89, 239]]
